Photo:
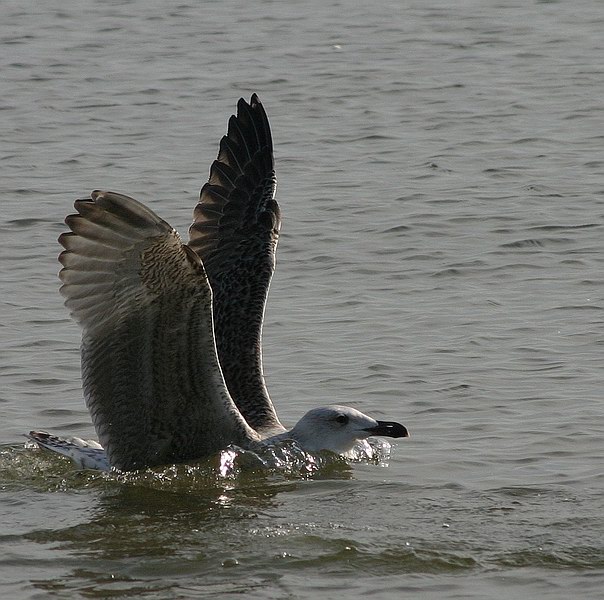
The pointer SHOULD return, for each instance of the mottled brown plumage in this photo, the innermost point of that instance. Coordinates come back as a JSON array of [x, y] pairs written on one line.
[[150, 372], [235, 233], [171, 333]]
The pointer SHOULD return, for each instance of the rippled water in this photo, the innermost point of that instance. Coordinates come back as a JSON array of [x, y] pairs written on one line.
[[441, 178]]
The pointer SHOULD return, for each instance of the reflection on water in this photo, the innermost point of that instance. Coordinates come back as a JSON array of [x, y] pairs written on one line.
[[141, 532], [192, 516]]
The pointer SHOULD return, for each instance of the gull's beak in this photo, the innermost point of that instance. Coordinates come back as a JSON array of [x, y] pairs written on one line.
[[388, 429]]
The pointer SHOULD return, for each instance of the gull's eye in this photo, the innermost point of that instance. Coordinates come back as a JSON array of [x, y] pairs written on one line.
[[342, 419]]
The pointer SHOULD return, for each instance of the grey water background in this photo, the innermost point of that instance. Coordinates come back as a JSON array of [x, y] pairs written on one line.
[[440, 173]]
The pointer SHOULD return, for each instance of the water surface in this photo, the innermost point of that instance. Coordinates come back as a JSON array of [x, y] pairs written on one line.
[[441, 179]]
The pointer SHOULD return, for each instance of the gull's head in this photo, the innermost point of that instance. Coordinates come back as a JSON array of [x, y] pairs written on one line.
[[339, 428]]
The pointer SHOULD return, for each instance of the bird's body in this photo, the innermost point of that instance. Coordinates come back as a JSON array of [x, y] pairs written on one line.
[[338, 429], [171, 332]]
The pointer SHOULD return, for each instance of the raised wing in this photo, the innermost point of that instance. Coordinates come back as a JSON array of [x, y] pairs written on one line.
[[235, 232], [150, 372]]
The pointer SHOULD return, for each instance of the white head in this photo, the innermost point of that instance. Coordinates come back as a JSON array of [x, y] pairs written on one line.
[[339, 428]]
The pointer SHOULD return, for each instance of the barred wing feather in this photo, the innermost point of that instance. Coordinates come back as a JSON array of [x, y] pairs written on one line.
[[235, 233], [150, 373]]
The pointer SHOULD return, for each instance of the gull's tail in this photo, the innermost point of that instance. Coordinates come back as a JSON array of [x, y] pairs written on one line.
[[86, 454]]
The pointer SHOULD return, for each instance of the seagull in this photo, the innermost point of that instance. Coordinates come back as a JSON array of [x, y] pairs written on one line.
[[171, 332]]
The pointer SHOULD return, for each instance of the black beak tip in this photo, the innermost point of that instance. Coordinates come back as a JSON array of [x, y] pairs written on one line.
[[390, 429]]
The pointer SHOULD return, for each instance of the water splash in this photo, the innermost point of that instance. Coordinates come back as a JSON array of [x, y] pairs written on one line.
[[27, 465]]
